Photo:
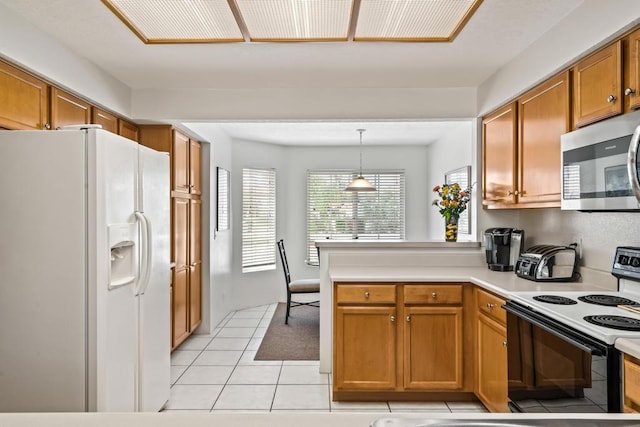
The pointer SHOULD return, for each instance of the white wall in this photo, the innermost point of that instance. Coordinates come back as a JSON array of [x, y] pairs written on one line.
[[305, 104], [239, 290], [451, 152], [589, 26], [26, 45]]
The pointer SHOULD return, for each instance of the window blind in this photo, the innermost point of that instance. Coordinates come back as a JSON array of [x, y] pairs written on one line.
[[258, 219], [333, 213]]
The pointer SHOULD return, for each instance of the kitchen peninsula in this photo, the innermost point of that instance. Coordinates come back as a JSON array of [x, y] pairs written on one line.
[[424, 320], [412, 261]]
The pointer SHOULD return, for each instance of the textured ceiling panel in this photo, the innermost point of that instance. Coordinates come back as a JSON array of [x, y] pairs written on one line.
[[412, 19], [178, 21], [296, 19]]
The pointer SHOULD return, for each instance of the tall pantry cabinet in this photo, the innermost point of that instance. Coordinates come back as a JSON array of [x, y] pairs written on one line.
[[186, 226]]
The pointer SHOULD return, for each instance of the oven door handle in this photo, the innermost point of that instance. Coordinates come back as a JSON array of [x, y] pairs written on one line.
[[551, 329]]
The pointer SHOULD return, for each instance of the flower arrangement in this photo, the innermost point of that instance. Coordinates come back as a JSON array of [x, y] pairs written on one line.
[[452, 200]]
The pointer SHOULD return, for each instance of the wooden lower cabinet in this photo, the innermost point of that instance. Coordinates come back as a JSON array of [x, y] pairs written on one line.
[[180, 307], [186, 309], [365, 348], [631, 384], [433, 348], [398, 338], [491, 352]]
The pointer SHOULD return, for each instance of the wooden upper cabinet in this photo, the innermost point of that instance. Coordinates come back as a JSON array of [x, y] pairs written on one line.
[[107, 120], [543, 116], [128, 130], [24, 100], [195, 167], [597, 86], [67, 109], [499, 133], [631, 90], [180, 162]]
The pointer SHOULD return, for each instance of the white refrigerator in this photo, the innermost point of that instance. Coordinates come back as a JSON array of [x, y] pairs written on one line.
[[84, 273]]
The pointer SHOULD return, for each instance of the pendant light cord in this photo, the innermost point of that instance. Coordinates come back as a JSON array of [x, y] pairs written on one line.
[[361, 130]]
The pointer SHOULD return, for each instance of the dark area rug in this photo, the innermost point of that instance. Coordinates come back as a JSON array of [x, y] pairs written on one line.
[[299, 340]]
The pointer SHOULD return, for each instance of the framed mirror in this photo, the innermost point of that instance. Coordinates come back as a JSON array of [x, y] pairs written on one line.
[[223, 199], [463, 177]]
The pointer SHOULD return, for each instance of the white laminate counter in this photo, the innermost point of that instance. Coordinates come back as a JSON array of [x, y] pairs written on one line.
[[292, 419]]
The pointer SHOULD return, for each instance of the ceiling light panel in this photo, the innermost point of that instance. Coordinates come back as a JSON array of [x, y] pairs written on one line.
[[296, 20], [413, 20], [178, 21]]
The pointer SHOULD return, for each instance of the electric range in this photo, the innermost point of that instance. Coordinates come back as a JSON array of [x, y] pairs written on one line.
[[561, 357], [579, 309]]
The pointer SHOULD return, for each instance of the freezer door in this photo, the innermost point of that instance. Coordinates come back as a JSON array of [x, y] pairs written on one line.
[[43, 269], [154, 328], [113, 170]]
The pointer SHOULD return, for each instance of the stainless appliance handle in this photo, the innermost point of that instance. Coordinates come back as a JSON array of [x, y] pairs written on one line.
[[632, 163], [555, 329]]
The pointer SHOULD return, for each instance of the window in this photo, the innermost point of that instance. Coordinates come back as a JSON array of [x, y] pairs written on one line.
[[258, 219], [461, 176], [333, 213]]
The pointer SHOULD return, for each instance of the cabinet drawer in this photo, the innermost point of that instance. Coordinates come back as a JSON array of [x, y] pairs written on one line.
[[366, 294], [631, 383], [433, 294], [491, 305]]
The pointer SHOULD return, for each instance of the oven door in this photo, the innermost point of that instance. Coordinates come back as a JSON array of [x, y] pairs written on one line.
[[554, 368]]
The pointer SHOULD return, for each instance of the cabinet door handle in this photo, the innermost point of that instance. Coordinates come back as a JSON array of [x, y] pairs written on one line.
[[366, 294], [611, 98], [434, 295], [408, 318], [504, 343], [490, 306], [46, 126], [393, 318], [628, 91]]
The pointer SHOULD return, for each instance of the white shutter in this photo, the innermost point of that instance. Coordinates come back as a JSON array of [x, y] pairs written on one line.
[[258, 219], [333, 213]]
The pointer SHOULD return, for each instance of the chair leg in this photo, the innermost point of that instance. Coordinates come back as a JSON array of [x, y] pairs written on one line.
[[286, 317]]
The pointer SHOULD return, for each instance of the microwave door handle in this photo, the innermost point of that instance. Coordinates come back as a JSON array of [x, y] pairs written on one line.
[[632, 163], [542, 325]]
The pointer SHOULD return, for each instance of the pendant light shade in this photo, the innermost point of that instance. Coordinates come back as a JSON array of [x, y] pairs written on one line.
[[360, 183]]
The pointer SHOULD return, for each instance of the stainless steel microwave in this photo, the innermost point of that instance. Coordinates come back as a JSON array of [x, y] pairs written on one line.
[[600, 166]]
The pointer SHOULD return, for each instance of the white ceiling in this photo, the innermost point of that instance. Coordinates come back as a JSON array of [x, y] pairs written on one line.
[[497, 33]]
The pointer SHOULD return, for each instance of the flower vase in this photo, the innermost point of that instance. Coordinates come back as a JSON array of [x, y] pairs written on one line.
[[451, 229]]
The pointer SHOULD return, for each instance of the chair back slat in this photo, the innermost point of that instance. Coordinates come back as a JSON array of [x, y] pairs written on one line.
[[285, 264]]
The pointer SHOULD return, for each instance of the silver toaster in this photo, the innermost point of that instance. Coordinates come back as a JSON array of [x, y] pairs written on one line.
[[548, 263]]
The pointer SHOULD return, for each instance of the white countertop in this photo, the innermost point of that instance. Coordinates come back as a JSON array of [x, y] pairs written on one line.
[[395, 244], [502, 283], [269, 419]]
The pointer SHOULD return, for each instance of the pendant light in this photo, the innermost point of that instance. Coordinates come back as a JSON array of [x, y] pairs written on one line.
[[360, 183]]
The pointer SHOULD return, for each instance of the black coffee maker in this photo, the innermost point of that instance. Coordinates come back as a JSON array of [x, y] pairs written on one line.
[[503, 246]]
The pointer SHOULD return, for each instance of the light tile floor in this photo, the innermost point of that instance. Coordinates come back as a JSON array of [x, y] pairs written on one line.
[[217, 373]]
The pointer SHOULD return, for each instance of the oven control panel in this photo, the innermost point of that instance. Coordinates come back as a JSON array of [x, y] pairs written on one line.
[[626, 263]]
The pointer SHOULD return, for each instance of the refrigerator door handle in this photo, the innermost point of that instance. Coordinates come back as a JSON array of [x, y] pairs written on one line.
[[632, 163], [149, 247], [144, 269]]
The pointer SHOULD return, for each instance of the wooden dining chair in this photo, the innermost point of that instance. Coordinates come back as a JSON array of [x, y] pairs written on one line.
[[300, 286]]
